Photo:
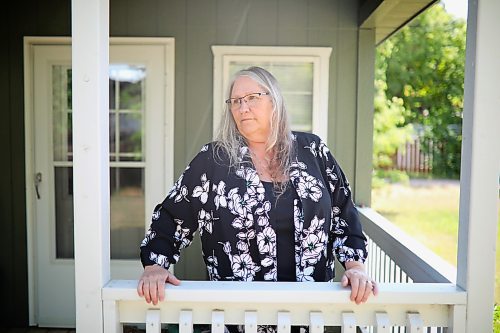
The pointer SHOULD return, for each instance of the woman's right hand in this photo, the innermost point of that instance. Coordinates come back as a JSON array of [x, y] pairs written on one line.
[[152, 283]]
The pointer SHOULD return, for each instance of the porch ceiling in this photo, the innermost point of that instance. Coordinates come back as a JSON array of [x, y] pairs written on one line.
[[388, 16]]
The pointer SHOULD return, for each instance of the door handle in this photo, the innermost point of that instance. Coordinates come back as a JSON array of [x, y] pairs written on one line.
[[38, 180]]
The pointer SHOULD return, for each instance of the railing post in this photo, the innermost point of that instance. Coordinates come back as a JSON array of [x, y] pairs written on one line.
[[111, 317], [478, 213], [456, 319]]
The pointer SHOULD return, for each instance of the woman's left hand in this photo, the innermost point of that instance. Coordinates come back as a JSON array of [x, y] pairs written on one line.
[[362, 286]]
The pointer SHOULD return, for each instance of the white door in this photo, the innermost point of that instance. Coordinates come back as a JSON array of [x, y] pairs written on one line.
[[140, 115]]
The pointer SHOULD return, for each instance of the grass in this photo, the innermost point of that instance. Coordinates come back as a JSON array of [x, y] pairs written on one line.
[[429, 212], [496, 319]]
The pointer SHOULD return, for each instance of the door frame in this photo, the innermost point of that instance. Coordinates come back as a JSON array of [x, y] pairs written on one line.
[[168, 135]]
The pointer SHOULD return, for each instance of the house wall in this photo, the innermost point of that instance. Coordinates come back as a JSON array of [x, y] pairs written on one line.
[[196, 26]]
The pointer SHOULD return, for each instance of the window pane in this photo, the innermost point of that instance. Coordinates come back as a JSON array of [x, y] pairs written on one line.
[[131, 134], [127, 211], [296, 82], [294, 77], [63, 188], [69, 136], [112, 90], [61, 114], [130, 96], [126, 140], [69, 99], [112, 136], [291, 76], [300, 111], [130, 87]]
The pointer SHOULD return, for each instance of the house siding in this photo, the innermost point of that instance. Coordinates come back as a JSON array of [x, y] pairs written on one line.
[[196, 26]]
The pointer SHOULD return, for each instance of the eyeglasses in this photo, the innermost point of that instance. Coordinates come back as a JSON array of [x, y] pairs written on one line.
[[251, 100]]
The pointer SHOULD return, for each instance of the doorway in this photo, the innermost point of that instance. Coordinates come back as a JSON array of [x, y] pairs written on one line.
[[141, 80]]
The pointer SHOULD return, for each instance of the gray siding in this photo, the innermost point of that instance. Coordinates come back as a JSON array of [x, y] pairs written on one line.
[[196, 26], [10, 275], [18, 19]]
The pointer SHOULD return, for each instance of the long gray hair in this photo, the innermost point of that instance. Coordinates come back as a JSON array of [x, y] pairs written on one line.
[[229, 140]]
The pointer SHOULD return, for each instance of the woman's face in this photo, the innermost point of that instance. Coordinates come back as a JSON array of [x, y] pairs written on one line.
[[253, 115]]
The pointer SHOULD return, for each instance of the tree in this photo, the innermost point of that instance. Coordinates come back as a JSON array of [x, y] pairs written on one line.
[[389, 129], [424, 66]]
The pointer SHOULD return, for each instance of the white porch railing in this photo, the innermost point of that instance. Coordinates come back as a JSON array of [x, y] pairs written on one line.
[[313, 304], [396, 260], [396, 257]]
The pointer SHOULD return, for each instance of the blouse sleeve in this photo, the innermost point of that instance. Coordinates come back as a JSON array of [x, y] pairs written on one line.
[[174, 221], [349, 240]]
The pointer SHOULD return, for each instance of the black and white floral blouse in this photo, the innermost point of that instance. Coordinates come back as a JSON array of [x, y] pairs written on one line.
[[230, 209]]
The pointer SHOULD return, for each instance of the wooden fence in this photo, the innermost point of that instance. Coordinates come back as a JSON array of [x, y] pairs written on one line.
[[412, 158]]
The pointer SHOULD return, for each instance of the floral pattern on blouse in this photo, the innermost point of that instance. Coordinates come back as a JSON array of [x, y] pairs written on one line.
[[230, 210]]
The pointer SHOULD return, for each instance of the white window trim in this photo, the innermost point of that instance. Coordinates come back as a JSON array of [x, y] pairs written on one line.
[[319, 56]]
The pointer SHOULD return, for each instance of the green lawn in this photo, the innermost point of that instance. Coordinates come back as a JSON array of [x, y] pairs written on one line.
[[429, 212]]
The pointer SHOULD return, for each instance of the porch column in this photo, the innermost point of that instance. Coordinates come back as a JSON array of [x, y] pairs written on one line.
[[90, 61], [364, 117], [480, 165]]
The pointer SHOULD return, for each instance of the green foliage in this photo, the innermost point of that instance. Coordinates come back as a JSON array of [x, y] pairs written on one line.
[[381, 178], [389, 130], [393, 176], [496, 319], [377, 183], [424, 67]]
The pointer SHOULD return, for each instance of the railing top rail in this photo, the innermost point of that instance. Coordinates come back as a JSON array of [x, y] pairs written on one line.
[[290, 292]]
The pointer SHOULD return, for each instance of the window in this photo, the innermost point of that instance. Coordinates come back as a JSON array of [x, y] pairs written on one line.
[[301, 71]]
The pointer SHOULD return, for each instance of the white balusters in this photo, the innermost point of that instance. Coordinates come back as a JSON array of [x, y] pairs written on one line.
[[348, 322], [414, 323], [250, 322], [416, 308], [316, 322], [186, 321], [382, 267], [153, 321], [383, 322], [217, 321], [284, 322]]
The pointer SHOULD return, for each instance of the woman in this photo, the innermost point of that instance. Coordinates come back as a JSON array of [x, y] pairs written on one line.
[[269, 204]]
